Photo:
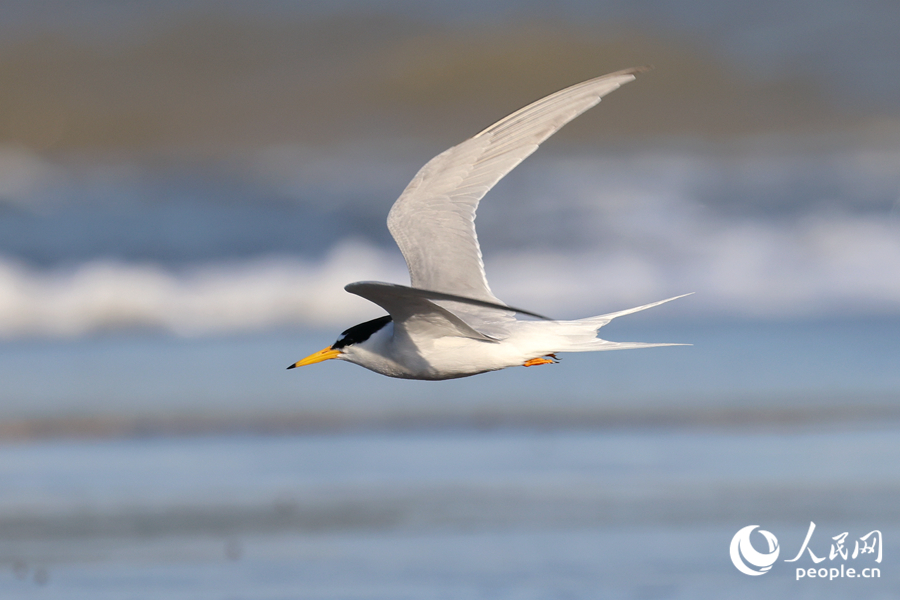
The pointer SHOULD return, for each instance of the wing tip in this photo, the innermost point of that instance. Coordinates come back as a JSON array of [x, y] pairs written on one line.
[[350, 287], [641, 69], [633, 71]]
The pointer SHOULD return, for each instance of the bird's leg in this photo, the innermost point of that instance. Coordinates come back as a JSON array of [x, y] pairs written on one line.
[[547, 359]]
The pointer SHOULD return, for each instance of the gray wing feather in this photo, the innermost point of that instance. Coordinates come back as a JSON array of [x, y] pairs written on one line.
[[414, 312], [433, 221], [361, 287]]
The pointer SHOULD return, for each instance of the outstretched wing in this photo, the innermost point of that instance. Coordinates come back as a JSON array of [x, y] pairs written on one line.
[[433, 221], [412, 308], [361, 288], [412, 311]]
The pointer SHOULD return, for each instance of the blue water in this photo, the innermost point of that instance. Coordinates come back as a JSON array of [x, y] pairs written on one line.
[[456, 514], [135, 463], [614, 475], [749, 364]]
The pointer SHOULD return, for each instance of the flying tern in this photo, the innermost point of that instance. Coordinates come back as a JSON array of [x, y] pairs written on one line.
[[448, 323]]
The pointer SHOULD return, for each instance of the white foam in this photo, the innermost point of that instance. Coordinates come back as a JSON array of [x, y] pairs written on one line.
[[825, 265], [641, 233], [205, 299], [820, 265]]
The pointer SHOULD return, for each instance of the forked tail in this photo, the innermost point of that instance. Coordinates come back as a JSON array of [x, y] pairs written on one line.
[[581, 335]]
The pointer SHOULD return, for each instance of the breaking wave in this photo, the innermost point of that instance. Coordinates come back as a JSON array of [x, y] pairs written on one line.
[[818, 266], [203, 299], [754, 235]]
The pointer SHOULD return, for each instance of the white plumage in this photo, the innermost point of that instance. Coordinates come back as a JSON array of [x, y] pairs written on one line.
[[449, 324]]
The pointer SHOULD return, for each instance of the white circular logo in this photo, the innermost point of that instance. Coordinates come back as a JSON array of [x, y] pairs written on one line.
[[744, 556]]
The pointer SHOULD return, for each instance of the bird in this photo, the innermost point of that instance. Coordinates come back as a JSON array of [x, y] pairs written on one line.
[[448, 323]]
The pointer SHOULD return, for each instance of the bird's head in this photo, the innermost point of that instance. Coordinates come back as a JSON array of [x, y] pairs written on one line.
[[355, 335]]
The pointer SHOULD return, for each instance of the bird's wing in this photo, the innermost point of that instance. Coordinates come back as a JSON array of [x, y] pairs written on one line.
[[411, 308], [413, 311], [433, 221], [362, 288]]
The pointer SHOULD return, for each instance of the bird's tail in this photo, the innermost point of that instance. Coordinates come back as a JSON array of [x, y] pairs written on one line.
[[581, 335]]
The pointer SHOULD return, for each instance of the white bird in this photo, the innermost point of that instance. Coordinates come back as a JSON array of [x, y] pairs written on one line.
[[449, 324]]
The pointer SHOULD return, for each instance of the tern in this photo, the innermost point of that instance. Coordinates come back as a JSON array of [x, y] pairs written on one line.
[[448, 323]]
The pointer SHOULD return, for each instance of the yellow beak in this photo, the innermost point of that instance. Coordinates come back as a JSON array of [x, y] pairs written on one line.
[[326, 354]]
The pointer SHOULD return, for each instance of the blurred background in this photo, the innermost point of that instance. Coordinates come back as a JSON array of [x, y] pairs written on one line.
[[186, 187]]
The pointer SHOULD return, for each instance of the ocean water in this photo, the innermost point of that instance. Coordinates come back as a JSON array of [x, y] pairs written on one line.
[[619, 513], [162, 467], [270, 242], [155, 285], [814, 370], [154, 446]]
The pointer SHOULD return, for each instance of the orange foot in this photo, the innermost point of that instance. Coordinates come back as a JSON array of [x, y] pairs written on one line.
[[541, 361]]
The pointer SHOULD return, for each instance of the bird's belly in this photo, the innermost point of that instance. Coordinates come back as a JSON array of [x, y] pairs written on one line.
[[452, 357], [447, 357]]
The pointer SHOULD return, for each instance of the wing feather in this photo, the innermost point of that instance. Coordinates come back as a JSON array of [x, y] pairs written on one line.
[[414, 312], [433, 221], [361, 287]]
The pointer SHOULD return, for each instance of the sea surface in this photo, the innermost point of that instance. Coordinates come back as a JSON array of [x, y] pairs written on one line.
[[633, 512], [269, 242], [186, 187], [152, 444], [162, 467]]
